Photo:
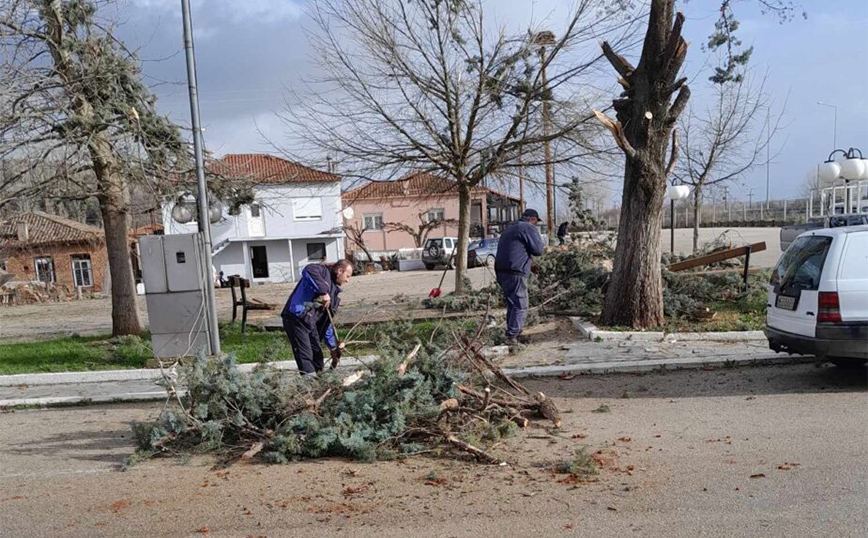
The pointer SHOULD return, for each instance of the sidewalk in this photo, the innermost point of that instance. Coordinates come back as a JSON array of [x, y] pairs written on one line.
[[578, 358]]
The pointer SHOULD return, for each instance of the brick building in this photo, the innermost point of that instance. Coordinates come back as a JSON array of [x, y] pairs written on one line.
[[37, 247]]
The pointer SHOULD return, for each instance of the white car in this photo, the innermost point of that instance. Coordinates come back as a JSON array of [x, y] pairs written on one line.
[[818, 296]]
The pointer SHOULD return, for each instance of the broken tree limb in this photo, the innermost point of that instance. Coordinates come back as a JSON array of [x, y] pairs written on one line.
[[467, 447], [499, 373], [253, 451], [402, 368], [548, 409], [517, 404], [617, 131], [678, 105], [673, 156], [621, 65]]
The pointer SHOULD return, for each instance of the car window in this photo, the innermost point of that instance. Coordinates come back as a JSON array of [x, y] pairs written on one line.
[[801, 265], [448, 243], [475, 244]]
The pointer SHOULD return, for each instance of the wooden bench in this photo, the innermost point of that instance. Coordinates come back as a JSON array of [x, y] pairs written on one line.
[[235, 281], [719, 256]]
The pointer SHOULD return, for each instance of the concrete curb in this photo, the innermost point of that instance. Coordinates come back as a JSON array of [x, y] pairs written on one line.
[[591, 332], [103, 376], [619, 367]]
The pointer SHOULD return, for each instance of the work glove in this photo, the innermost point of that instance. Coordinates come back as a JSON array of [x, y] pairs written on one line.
[[336, 353]]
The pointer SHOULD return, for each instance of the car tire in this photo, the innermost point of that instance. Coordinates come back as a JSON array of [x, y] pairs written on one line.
[[847, 363], [489, 260], [429, 266]]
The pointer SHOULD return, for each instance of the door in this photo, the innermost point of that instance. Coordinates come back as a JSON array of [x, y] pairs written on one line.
[[259, 262], [794, 289], [255, 221]]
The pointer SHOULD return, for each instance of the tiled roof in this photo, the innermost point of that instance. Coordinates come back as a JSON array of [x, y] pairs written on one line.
[[268, 169], [45, 229], [416, 184]]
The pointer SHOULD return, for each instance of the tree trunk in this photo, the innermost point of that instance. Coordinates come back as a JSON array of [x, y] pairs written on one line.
[[463, 235], [697, 213], [635, 295], [113, 204]]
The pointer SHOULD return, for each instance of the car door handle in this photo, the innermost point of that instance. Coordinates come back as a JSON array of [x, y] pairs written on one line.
[[809, 313]]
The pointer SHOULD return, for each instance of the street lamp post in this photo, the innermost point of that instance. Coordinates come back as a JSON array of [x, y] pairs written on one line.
[[203, 221], [542, 39], [852, 168], [675, 192]]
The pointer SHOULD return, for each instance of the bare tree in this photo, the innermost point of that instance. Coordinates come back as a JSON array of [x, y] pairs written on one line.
[[356, 234], [71, 93], [433, 86], [726, 140], [420, 232]]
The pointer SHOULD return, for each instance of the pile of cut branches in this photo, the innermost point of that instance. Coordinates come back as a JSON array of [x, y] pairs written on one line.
[[438, 396]]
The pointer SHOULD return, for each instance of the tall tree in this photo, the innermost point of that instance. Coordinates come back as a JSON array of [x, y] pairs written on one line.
[[646, 117], [646, 114], [72, 93], [432, 85]]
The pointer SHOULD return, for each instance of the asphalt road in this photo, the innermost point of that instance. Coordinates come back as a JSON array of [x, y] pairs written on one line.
[[764, 451]]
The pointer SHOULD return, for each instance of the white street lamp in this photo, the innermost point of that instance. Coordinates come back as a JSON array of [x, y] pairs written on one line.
[[674, 192]]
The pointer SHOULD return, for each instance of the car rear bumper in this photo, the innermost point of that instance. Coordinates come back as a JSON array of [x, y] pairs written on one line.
[[846, 340]]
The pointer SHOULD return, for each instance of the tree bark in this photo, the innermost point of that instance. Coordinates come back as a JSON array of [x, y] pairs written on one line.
[[464, 191], [697, 211], [113, 204], [635, 295]]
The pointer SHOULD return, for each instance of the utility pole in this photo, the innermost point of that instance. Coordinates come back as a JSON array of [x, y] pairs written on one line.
[[835, 128], [542, 39], [203, 220], [768, 160]]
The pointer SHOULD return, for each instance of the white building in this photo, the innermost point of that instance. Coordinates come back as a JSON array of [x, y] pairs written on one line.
[[294, 221]]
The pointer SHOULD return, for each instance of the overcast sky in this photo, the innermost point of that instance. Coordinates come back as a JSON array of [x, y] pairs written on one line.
[[248, 51]]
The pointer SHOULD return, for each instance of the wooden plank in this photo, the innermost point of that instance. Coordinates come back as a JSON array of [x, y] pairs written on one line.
[[690, 263]]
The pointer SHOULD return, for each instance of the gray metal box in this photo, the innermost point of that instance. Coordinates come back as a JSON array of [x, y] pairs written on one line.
[[183, 262], [170, 313], [153, 264], [179, 344]]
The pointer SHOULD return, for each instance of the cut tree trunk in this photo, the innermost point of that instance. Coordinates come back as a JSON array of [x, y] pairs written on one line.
[[635, 295], [463, 235]]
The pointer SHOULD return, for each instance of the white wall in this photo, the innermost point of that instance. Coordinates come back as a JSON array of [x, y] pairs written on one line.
[[231, 261], [276, 201], [299, 251]]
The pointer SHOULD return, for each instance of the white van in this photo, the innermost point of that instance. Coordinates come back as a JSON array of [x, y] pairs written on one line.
[[818, 296]]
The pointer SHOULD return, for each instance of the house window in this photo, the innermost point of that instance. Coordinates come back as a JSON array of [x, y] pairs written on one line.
[[373, 221], [436, 214], [2, 265], [45, 270], [255, 211], [82, 272], [307, 208], [316, 251]]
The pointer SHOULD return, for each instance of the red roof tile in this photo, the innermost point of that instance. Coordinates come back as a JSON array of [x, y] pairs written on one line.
[[268, 169], [416, 184], [45, 229]]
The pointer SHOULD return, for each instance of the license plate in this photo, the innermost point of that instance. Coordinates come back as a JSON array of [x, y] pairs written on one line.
[[787, 303]]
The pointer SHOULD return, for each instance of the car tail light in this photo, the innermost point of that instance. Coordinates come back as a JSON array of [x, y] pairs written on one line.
[[830, 308]]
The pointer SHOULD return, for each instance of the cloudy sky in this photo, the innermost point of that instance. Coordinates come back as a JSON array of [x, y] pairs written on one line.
[[248, 51]]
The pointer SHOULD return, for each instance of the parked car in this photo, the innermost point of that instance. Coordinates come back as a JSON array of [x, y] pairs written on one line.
[[439, 251], [789, 233], [818, 296], [482, 252]]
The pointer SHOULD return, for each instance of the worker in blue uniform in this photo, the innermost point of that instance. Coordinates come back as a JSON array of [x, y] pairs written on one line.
[[308, 313], [519, 242]]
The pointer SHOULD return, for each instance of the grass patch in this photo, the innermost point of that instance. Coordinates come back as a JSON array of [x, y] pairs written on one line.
[[101, 352]]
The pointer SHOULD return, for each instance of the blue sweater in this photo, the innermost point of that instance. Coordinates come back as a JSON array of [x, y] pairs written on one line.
[[315, 280], [517, 244]]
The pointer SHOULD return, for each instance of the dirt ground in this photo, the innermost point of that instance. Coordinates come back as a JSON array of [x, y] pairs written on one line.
[[770, 451]]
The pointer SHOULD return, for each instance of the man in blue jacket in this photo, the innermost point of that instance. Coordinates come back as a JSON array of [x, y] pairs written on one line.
[[305, 319], [512, 265]]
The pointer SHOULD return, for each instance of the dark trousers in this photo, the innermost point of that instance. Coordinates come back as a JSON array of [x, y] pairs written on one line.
[[514, 288], [304, 339]]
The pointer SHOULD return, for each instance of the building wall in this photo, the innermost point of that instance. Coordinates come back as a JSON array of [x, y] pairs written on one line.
[[405, 210], [277, 214], [235, 259], [23, 266]]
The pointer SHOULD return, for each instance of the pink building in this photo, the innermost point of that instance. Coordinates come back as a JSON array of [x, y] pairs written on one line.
[[422, 197]]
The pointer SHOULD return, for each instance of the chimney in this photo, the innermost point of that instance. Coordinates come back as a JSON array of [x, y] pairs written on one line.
[[23, 232]]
